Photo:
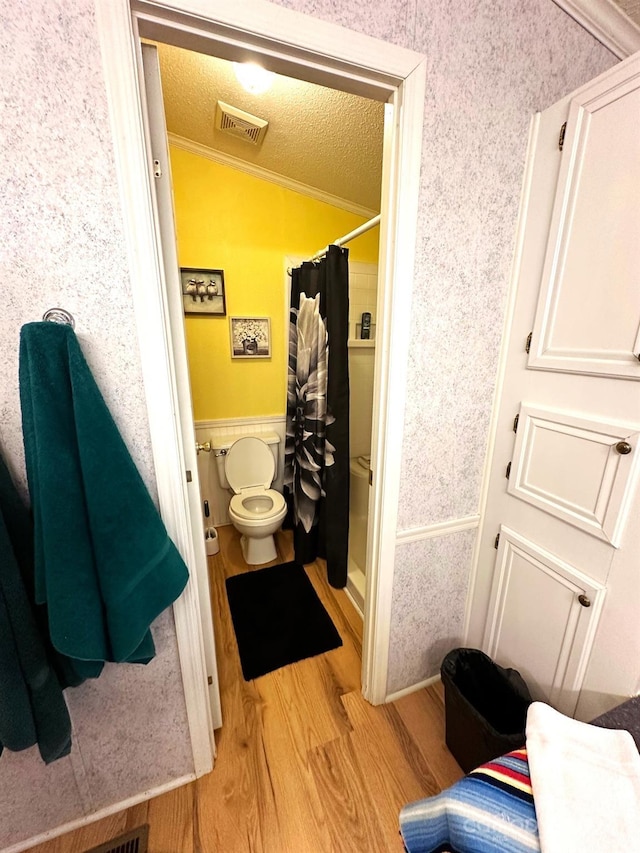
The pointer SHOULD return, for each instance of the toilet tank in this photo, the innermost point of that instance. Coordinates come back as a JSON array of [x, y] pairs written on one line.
[[220, 445]]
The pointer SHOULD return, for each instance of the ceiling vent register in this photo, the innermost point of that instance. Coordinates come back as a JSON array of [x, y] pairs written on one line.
[[240, 124]]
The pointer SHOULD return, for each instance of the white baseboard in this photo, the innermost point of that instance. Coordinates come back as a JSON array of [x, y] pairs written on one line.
[[101, 813], [412, 689]]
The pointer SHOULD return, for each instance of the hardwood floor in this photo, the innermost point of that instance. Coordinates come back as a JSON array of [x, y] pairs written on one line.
[[304, 764]]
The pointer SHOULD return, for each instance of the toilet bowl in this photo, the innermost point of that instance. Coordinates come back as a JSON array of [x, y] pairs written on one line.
[[256, 510]]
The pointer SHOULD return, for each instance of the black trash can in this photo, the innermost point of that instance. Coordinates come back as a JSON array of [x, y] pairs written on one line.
[[485, 707]]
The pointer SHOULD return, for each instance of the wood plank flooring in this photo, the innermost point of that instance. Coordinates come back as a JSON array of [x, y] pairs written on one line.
[[305, 764]]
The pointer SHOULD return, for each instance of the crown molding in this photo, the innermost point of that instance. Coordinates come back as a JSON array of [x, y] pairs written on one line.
[[266, 175], [607, 22]]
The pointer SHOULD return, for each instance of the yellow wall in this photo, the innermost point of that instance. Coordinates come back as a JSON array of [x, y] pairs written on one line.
[[228, 220]]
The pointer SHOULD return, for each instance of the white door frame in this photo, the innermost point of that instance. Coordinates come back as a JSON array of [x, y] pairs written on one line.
[[305, 47], [156, 129]]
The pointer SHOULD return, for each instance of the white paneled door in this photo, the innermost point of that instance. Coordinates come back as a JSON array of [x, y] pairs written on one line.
[[163, 203], [557, 587]]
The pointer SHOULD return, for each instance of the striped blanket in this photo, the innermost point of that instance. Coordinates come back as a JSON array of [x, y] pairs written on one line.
[[489, 811]]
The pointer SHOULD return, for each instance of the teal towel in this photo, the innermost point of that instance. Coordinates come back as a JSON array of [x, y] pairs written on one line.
[[32, 707], [19, 525], [104, 564]]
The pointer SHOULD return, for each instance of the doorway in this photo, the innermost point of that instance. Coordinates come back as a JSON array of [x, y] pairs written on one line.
[[242, 210], [323, 53]]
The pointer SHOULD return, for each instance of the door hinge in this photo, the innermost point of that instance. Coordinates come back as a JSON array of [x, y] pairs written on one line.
[[527, 346], [189, 477], [563, 130], [515, 422], [157, 171], [508, 472], [496, 542], [209, 680]]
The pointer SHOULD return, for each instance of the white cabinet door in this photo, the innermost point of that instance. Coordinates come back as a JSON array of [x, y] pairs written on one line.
[[538, 600], [564, 481], [588, 314], [579, 469]]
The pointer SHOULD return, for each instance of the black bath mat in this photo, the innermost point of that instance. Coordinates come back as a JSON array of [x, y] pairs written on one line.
[[278, 618]]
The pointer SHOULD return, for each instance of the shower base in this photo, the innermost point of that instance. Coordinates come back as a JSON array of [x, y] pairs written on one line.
[[356, 585]]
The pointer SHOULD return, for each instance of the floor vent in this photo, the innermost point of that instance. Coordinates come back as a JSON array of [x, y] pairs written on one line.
[[240, 124], [131, 842]]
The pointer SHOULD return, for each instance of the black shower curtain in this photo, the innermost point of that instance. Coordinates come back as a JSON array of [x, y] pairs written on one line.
[[317, 445]]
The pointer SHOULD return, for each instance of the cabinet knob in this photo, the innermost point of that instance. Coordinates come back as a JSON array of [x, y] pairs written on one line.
[[623, 447], [584, 600]]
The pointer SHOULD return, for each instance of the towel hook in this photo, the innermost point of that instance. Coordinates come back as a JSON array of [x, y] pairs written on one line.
[[59, 315]]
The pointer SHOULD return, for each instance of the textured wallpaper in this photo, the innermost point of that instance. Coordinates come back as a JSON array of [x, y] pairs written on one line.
[[392, 21], [61, 244], [428, 605]]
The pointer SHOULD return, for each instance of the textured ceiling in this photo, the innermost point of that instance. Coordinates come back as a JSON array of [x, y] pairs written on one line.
[[326, 139]]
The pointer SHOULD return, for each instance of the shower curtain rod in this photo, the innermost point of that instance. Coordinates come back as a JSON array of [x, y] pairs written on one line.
[[362, 229], [366, 226]]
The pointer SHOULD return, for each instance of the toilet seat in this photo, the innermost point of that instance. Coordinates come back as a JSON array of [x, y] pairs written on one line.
[[249, 464], [256, 510], [257, 504]]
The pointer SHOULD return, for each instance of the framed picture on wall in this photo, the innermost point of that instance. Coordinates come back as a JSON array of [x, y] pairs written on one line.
[[250, 337], [203, 291]]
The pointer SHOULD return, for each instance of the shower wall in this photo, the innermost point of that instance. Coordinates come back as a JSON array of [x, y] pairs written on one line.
[[363, 293]]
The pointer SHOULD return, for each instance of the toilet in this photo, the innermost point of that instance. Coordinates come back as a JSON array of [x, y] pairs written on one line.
[[248, 466]]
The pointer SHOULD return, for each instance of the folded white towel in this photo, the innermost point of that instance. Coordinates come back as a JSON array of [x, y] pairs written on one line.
[[586, 784]]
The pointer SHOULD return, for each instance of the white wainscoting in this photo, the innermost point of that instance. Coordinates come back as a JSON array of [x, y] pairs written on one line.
[[210, 488]]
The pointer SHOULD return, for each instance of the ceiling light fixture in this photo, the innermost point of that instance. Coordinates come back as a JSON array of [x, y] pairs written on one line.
[[253, 78]]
